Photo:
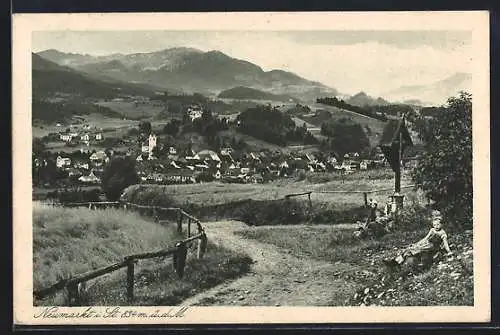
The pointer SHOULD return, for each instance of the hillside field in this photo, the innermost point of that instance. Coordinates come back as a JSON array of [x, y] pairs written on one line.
[[70, 241], [216, 193], [376, 126], [131, 110]]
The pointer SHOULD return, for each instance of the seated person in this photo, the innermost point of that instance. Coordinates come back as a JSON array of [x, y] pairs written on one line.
[[435, 240]]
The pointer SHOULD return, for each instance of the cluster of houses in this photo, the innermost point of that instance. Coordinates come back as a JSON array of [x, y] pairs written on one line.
[[85, 171], [188, 166], [84, 135], [227, 165], [179, 166]]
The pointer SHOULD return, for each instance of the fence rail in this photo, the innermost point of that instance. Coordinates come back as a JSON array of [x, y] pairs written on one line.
[[368, 191], [178, 253]]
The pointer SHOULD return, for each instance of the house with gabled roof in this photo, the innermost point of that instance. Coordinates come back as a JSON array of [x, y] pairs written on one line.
[[209, 155], [63, 162], [99, 157], [90, 179]]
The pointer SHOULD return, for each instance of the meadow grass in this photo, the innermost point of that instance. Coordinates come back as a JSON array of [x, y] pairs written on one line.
[[216, 193], [69, 241], [157, 284]]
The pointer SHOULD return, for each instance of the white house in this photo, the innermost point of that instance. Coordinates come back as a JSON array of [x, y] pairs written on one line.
[[98, 137], [99, 157], [194, 112], [66, 137], [209, 155], [85, 137], [62, 162], [90, 179]]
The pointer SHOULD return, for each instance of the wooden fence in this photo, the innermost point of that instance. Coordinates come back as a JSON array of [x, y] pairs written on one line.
[[153, 210], [178, 254], [288, 196], [364, 193]]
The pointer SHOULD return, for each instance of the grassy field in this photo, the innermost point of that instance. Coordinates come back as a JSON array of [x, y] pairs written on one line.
[[69, 241], [75, 240], [449, 282], [376, 126], [265, 204], [216, 193], [132, 111]]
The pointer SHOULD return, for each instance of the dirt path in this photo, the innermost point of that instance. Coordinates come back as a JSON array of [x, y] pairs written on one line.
[[276, 277]]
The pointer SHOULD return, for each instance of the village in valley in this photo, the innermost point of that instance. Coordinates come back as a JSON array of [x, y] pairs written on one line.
[[156, 163]]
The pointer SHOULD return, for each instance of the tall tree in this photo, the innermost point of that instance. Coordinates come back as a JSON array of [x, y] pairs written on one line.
[[345, 136], [119, 173], [145, 127], [444, 171]]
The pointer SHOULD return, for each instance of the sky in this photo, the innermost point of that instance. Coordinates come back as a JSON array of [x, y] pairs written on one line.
[[351, 61]]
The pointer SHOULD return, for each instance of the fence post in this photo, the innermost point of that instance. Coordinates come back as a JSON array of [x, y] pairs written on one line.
[[310, 202], [202, 245], [365, 198], [189, 227], [73, 297], [179, 221], [130, 279]]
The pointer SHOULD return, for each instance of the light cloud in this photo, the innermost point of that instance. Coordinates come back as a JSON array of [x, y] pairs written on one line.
[[374, 62]]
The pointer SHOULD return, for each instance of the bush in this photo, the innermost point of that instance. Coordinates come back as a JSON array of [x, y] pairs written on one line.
[[76, 196], [271, 212], [119, 173]]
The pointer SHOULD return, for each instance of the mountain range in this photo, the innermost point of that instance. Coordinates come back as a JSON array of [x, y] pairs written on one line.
[[434, 93], [210, 73], [362, 99], [190, 70]]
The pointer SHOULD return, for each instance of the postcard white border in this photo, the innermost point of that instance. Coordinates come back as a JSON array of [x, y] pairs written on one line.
[[477, 22]]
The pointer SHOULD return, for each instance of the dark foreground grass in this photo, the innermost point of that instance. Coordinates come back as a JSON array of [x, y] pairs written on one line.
[[157, 284]]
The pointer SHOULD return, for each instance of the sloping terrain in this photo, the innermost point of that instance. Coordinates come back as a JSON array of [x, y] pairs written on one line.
[[49, 78], [276, 278]]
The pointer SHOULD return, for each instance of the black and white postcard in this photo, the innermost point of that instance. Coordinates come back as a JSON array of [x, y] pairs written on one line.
[[184, 168]]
